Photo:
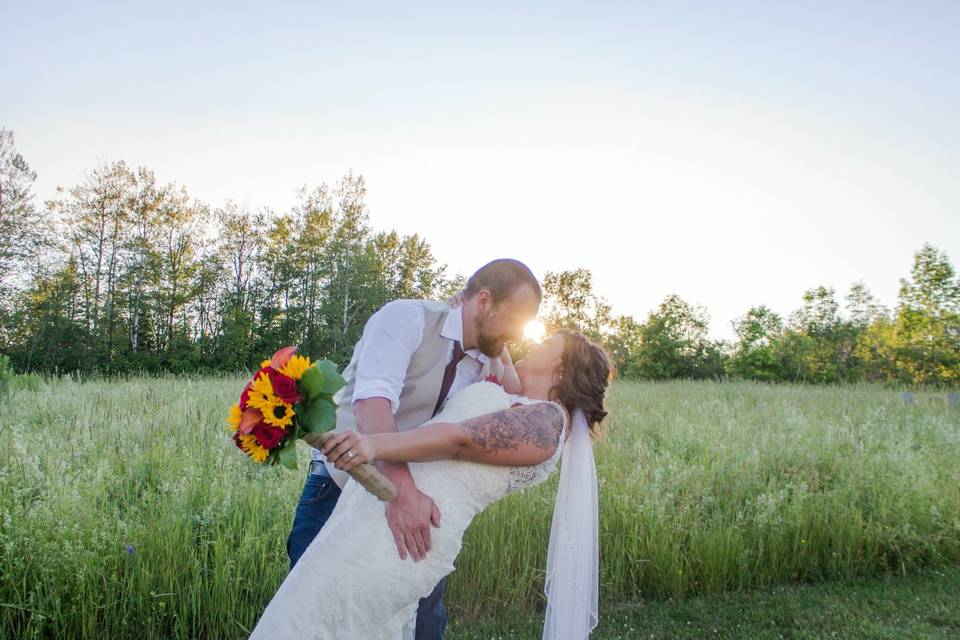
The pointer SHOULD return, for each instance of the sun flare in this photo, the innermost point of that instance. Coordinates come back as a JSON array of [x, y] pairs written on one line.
[[534, 331]]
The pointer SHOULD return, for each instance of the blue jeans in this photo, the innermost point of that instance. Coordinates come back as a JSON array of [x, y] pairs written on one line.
[[319, 497]]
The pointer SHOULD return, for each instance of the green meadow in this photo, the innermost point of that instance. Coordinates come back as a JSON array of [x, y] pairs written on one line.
[[128, 513]]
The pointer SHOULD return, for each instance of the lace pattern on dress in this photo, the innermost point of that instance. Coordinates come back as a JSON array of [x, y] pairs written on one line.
[[525, 477]]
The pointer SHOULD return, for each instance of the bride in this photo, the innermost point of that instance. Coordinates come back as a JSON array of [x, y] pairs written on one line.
[[485, 444]]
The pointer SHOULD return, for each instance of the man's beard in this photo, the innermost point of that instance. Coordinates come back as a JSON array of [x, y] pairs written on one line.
[[489, 345]]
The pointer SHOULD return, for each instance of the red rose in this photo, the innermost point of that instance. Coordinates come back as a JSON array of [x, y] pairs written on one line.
[[285, 388], [268, 371], [492, 378], [268, 436]]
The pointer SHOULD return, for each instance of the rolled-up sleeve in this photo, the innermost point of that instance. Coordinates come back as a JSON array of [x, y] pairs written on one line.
[[390, 337]]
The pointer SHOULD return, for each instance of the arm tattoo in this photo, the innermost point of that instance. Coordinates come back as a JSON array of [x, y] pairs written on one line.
[[538, 424]]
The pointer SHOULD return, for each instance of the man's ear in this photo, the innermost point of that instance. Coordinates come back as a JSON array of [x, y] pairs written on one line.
[[484, 301]]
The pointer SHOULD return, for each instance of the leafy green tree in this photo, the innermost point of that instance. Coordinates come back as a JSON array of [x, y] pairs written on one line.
[[240, 247], [141, 278], [570, 303], [348, 300], [863, 309], [281, 314], [47, 324], [878, 351], [241, 242], [97, 215], [756, 355], [928, 320], [142, 283], [181, 223], [933, 287], [209, 287], [450, 286], [820, 313], [819, 345], [866, 323], [625, 345], [674, 343], [314, 216], [21, 224], [418, 274]]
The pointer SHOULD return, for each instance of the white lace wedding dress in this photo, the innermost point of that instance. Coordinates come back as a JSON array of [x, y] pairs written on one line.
[[351, 584]]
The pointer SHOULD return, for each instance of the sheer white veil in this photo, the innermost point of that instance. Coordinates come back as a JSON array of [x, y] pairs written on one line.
[[573, 561]]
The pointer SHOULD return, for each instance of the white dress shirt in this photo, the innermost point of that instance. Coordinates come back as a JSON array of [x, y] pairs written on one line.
[[389, 339]]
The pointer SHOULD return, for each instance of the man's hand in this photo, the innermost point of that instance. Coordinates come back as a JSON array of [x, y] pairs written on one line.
[[410, 515], [457, 300], [411, 512]]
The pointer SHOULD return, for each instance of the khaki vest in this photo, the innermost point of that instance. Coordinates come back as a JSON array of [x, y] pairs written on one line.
[[421, 385]]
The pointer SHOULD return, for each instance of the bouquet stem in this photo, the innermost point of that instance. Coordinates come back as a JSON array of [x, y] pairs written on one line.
[[366, 474]]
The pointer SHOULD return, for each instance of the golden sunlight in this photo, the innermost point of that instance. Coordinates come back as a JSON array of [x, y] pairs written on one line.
[[533, 331]]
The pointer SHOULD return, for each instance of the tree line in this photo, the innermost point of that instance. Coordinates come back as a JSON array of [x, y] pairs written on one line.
[[915, 343], [121, 273]]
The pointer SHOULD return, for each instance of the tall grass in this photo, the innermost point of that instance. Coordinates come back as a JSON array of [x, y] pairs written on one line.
[[126, 511]]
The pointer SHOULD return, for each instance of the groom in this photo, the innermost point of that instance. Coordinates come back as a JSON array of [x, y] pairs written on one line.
[[412, 355]]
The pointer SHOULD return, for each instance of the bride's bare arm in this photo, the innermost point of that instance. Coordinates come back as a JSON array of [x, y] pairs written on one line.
[[524, 435]]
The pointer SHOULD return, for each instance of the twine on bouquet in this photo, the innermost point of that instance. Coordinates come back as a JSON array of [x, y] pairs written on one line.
[[364, 473]]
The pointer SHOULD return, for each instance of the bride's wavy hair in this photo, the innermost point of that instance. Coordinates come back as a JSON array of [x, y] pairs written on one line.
[[586, 370]]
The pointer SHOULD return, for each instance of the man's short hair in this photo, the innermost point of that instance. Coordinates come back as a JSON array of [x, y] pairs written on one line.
[[502, 277]]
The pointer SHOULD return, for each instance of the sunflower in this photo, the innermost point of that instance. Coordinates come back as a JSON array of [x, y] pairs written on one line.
[[261, 394], [252, 448], [295, 366], [233, 420], [278, 414]]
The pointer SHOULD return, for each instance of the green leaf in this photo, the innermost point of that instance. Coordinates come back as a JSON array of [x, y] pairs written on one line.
[[320, 416], [332, 380], [312, 382], [288, 454]]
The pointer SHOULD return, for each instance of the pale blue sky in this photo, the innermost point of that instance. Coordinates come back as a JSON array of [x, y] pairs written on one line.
[[736, 155]]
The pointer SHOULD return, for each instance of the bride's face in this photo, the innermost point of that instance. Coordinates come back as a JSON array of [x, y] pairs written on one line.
[[545, 357]]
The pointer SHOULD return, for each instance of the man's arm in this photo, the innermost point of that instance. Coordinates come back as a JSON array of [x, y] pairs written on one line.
[[411, 513], [374, 415], [390, 338]]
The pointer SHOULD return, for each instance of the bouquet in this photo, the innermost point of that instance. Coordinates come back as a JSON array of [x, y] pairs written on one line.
[[291, 398]]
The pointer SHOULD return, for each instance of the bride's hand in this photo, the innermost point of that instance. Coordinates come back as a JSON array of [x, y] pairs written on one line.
[[347, 449], [510, 378]]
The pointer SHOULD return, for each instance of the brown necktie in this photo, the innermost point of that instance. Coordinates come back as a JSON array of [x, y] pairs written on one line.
[[449, 374]]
